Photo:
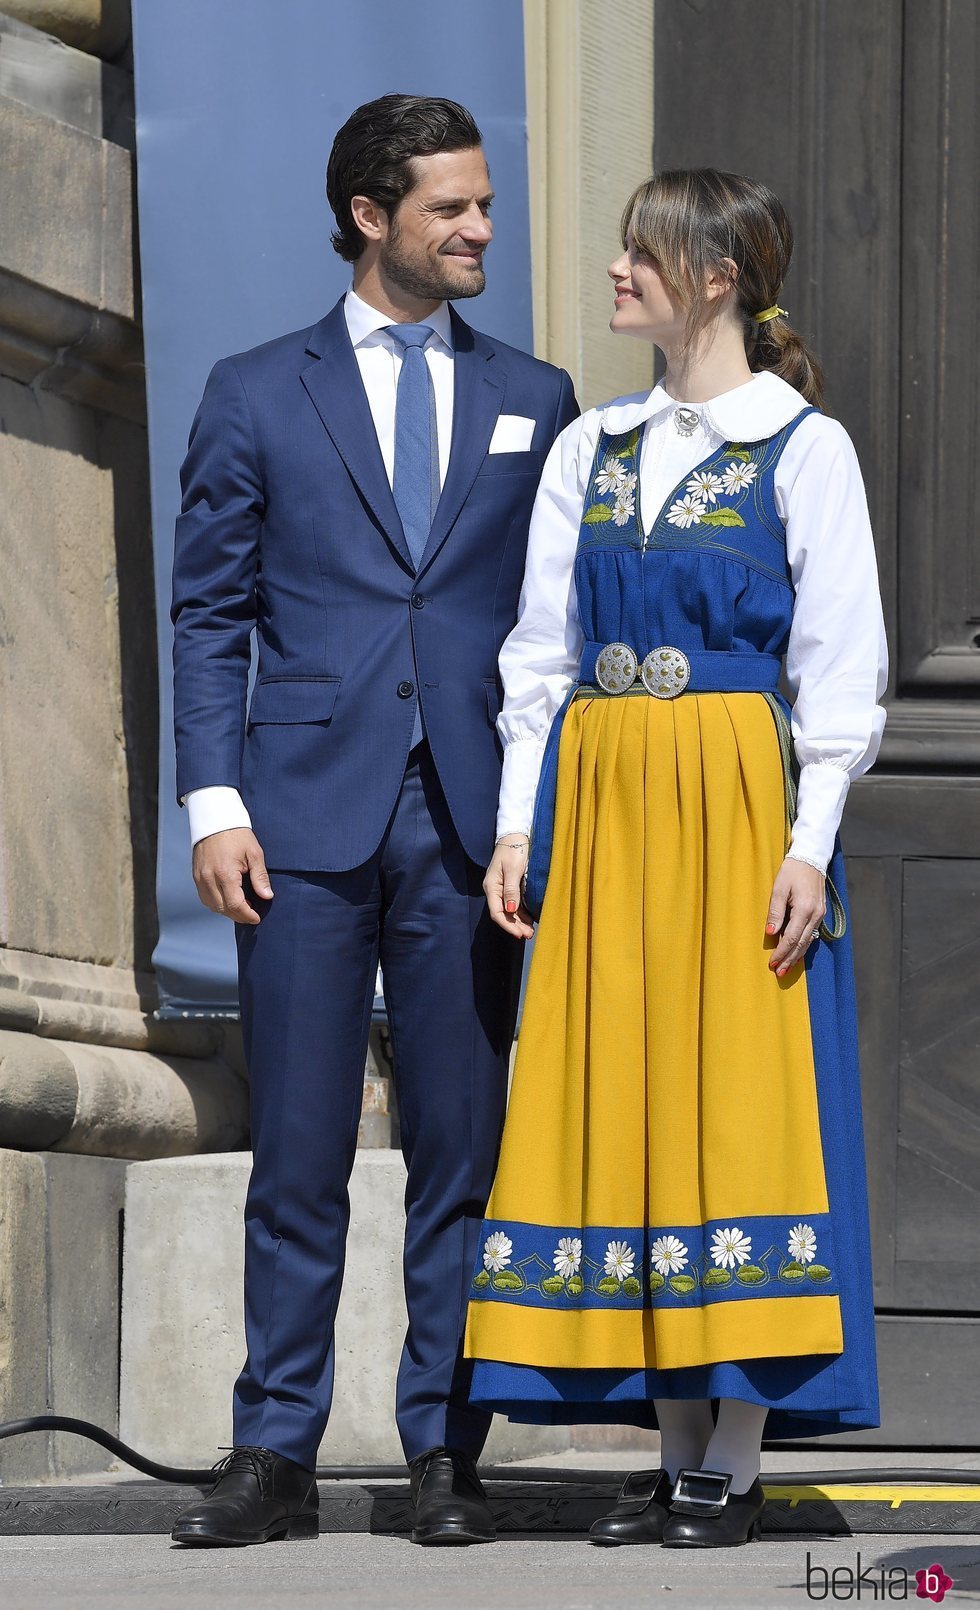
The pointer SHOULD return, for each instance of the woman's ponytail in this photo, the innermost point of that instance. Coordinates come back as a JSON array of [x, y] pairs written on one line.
[[777, 347]]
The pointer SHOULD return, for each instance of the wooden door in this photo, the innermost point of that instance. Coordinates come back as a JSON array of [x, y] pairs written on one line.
[[863, 117]]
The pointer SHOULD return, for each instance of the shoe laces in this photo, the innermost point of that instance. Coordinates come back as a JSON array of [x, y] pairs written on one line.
[[258, 1460]]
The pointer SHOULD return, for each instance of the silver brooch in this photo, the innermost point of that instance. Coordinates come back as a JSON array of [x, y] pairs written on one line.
[[686, 420]]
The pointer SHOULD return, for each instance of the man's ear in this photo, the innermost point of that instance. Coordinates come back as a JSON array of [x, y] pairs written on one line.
[[370, 219]]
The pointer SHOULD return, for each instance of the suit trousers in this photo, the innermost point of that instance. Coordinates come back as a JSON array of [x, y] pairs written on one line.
[[307, 977]]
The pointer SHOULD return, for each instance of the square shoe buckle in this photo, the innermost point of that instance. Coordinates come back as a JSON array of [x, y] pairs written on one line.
[[637, 1492], [700, 1492]]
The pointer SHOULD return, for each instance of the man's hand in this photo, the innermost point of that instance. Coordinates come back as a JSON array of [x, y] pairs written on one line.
[[502, 886], [221, 863], [797, 905]]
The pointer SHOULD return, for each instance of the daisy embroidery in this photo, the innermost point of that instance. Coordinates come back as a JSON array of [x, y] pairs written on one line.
[[686, 511], [730, 1247], [802, 1243], [705, 485], [497, 1250], [668, 1255], [619, 1259], [568, 1256], [624, 508], [610, 478], [738, 476]]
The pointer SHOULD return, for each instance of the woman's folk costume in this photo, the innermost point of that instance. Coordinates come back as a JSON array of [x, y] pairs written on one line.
[[680, 1208]]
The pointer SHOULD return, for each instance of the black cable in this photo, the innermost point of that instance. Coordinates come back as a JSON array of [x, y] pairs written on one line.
[[532, 1473]]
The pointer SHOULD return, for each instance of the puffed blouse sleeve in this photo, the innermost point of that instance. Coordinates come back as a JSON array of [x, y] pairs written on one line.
[[539, 659], [837, 656]]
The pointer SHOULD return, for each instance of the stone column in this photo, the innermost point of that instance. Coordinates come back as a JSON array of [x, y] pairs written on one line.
[[84, 1066], [590, 142]]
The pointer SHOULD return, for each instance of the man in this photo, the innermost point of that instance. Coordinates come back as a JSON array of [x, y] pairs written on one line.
[[360, 493]]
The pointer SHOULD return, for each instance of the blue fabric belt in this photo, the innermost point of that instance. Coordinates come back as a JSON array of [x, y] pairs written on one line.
[[712, 671]]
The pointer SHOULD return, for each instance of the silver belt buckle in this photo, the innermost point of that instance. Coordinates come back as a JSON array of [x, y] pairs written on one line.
[[665, 672], [615, 669]]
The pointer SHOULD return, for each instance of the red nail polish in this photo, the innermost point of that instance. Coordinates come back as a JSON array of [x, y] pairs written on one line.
[[770, 927], [511, 905]]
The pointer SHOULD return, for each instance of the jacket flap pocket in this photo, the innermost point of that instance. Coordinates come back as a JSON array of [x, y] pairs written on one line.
[[309, 698], [493, 699]]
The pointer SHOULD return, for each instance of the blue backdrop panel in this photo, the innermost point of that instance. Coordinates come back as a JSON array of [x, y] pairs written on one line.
[[237, 104]]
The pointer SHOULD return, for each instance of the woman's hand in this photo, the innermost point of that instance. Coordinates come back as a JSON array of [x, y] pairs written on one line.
[[502, 885], [798, 903]]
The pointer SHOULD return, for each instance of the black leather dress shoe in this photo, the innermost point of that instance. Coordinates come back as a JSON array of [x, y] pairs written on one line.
[[259, 1496], [706, 1514], [640, 1513], [450, 1504]]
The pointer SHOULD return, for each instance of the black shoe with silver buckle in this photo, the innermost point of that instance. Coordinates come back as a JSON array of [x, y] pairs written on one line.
[[705, 1513], [640, 1513], [259, 1496], [450, 1503]]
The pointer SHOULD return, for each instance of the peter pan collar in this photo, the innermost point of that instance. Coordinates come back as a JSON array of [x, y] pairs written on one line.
[[759, 408]]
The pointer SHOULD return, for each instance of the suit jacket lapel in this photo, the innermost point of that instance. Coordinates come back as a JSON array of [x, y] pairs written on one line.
[[478, 394], [337, 391]]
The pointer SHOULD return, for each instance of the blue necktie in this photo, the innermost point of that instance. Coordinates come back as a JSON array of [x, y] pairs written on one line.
[[415, 483]]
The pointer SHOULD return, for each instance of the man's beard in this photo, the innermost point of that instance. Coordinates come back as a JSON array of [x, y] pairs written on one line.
[[421, 277]]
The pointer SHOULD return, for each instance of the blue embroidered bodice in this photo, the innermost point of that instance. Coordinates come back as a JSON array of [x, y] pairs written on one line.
[[711, 573]]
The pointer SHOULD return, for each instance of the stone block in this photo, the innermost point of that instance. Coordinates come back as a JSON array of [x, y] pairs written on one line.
[[72, 880], [56, 185], [60, 1229], [182, 1333]]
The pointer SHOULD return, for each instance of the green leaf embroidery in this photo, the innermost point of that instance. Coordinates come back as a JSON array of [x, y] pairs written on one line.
[[818, 1271], [631, 1286], [552, 1285], [751, 1275], [609, 1287], [507, 1280], [576, 1285], [735, 450], [630, 445], [682, 1283], [792, 1271], [481, 1280], [722, 517], [717, 1277], [596, 514], [656, 1280]]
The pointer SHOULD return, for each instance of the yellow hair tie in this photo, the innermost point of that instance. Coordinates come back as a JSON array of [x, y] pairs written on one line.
[[770, 313]]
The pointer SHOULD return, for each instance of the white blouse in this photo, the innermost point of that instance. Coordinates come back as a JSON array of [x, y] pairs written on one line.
[[837, 658]]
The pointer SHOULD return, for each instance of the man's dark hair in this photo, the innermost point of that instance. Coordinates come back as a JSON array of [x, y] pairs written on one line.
[[372, 155]]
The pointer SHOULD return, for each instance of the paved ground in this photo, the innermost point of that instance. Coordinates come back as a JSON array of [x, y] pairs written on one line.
[[380, 1573], [386, 1573]]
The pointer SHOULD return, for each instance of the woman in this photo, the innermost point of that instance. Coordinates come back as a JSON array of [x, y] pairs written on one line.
[[679, 1218]]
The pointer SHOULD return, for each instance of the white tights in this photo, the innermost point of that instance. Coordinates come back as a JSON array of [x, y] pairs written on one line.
[[691, 1440]]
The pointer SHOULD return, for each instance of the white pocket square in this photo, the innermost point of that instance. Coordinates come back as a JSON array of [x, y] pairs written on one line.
[[511, 434]]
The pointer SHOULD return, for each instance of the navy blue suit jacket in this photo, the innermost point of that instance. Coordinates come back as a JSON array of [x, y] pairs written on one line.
[[288, 525]]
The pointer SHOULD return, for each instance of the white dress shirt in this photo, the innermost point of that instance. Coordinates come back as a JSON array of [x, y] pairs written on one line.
[[379, 359], [836, 662]]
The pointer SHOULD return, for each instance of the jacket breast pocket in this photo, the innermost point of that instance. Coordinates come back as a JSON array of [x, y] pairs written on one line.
[[293, 700], [529, 463]]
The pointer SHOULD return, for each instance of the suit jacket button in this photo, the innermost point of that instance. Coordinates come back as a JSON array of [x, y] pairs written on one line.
[[406, 689], [418, 602]]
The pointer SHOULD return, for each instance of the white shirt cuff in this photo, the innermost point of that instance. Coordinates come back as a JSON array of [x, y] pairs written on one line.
[[819, 807], [214, 810], [518, 785]]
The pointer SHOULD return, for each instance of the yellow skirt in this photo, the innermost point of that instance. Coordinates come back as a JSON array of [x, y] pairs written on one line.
[[660, 1199]]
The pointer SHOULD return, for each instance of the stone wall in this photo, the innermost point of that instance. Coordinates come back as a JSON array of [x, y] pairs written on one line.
[[83, 1064]]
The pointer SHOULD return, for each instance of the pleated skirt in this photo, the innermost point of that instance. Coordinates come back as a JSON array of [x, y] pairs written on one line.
[[680, 1206]]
